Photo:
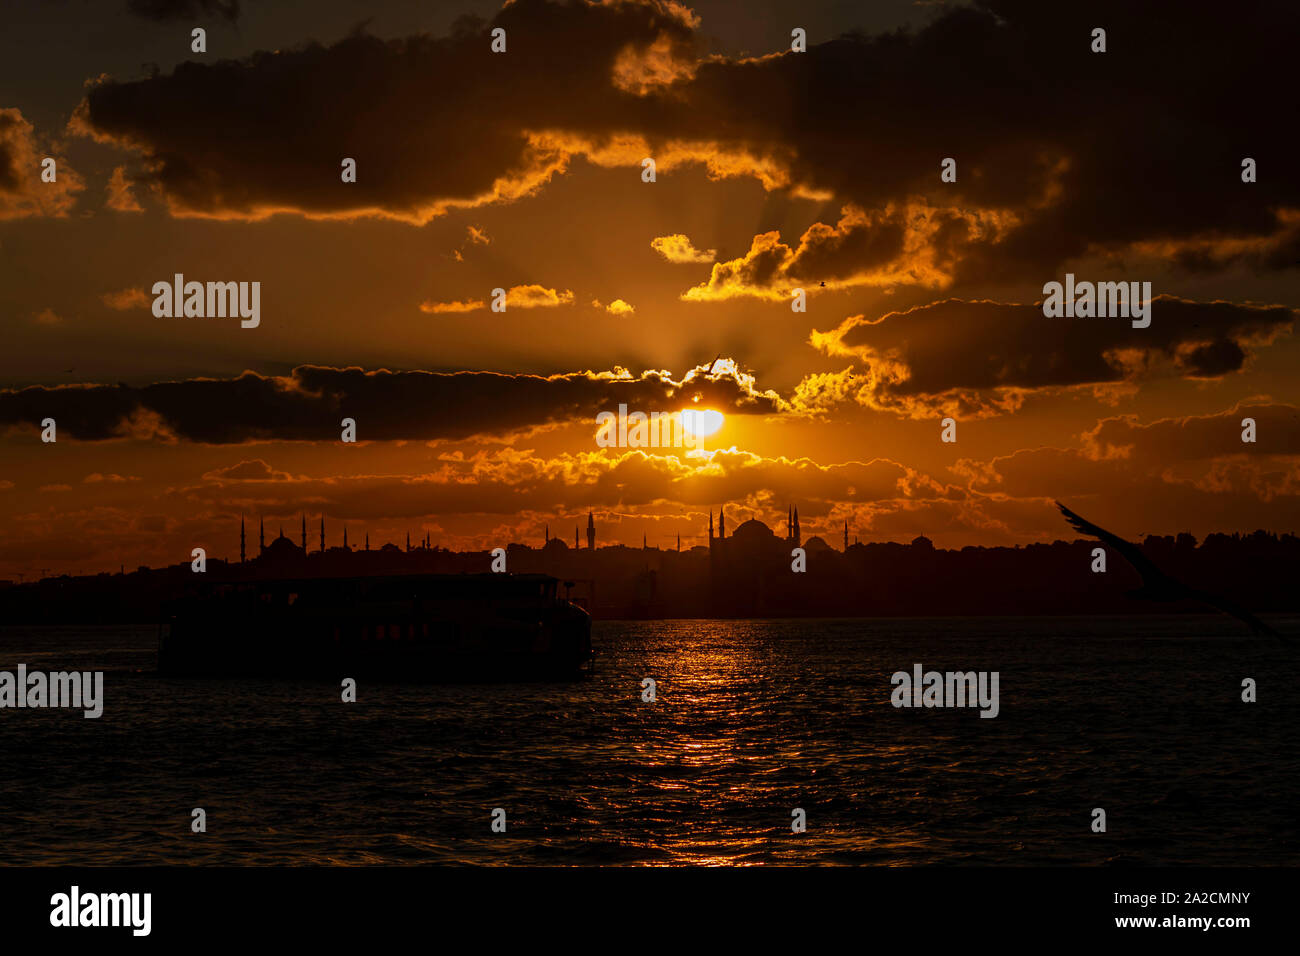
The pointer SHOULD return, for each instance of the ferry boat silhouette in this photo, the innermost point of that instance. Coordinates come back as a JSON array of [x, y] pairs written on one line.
[[417, 627]]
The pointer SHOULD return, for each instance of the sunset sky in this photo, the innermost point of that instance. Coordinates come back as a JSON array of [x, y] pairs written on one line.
[[522, 170]]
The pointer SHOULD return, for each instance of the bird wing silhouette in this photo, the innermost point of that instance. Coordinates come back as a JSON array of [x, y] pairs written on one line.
[[1235, 610], [1151, 575]]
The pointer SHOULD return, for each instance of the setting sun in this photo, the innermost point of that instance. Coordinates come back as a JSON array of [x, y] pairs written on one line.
[[702, 422]]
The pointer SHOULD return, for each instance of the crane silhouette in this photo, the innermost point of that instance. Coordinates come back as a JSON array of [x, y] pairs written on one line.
[[1158, 586]]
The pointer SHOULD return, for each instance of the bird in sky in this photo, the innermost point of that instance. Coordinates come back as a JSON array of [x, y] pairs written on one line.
[[1158, 586]]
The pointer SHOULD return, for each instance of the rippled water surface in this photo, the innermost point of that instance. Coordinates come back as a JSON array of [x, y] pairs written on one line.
[[1140, 717]]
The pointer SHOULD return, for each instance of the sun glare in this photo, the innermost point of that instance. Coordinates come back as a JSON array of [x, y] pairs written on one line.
[[702, 422]]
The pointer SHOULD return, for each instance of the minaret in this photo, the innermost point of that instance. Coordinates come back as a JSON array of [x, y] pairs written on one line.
[[408, 541], [679, 541], [722, 522], [643, 547], [710, 528], [548, 533], [367, 540], [846, 535], [241, 539], [798, 536], [345, 537], [322, 534], [261, 535], [591, 532], [304, 532], [789, 523], [575, 537]]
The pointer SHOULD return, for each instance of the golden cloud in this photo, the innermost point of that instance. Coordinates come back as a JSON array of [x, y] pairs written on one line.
[[679, 248], [125, 299], [120, 197], [23, 193]]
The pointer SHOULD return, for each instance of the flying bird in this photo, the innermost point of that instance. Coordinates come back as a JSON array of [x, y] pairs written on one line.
[[1158, 586]]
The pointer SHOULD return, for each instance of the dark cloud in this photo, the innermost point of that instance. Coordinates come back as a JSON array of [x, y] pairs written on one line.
[[979, 356], [1075, 151], [430, 121], [164, 10], [1168, 441], [309, 404], [859, 249], [1143, 142], [1169, 469]]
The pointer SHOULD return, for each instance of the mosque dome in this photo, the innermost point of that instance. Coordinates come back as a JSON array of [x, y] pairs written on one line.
[[753, 531], [282, 549]]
